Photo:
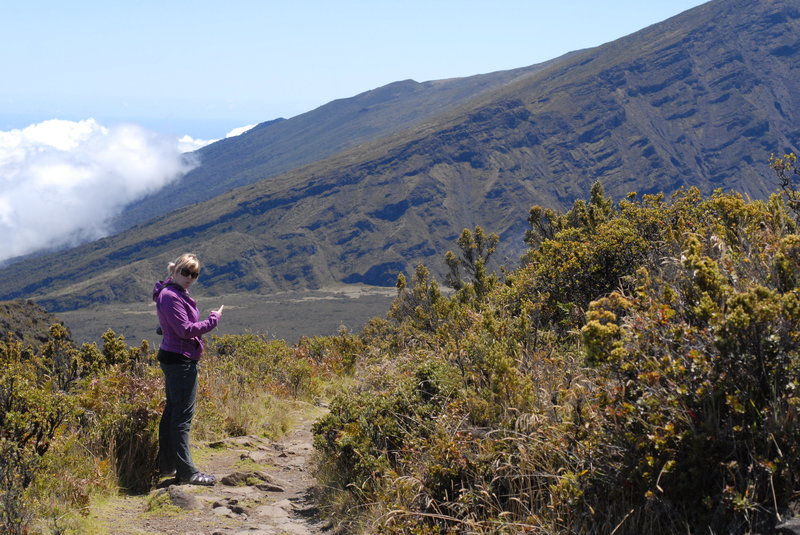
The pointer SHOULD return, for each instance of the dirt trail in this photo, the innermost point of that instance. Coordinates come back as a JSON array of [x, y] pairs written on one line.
[[263, 488]]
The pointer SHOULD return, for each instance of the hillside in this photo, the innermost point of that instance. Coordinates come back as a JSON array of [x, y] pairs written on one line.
[[700, 99], [26, 322], [278, 146]]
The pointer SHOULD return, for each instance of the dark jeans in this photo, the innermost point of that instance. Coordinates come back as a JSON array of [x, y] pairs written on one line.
[[180, 380]]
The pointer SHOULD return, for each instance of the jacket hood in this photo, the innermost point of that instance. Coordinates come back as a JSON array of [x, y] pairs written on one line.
[[160, 285]]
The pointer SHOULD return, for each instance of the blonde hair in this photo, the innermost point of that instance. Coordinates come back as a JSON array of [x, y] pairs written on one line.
[[186, 260]]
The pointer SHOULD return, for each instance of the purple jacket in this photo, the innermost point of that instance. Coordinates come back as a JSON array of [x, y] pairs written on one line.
[[178, 316]]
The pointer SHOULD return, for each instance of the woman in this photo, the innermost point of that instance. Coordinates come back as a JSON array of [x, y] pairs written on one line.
[[178, 354]]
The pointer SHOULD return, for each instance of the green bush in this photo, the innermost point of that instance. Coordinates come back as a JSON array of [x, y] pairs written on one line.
[[17, 470], [638, 374], [704, 367], [366, 434], [32, 409]]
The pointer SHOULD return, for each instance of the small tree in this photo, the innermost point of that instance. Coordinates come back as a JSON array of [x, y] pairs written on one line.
[[422, 304], [788, 173], [468, 272], [115, 350], [60, 359], [544, 223]]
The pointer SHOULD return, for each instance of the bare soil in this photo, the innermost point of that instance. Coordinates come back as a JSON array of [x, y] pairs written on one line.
[[264, 487]]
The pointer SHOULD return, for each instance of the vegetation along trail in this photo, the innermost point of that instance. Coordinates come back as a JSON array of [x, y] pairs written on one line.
[[639, 374]]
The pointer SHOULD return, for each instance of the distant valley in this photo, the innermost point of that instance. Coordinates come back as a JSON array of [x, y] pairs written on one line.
[[286, 316], [365, 188]]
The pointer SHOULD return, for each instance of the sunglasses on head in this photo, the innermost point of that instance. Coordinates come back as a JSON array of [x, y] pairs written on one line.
[[186, 272]]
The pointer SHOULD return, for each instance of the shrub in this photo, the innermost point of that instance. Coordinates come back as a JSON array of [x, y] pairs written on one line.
[[421, 306], [119, 416], [366, 434], [703, 363], [17, 469], [32, 408], [637, 375]]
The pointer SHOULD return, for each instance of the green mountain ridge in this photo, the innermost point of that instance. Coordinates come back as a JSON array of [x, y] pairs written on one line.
[[701, 99], [278, 146]]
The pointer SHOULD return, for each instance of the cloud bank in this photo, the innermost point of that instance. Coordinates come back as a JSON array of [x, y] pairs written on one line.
[[189, 144], [62, 182], [239, 131]]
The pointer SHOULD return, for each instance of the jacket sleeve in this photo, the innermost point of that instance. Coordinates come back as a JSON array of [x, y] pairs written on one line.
[[176, 315]]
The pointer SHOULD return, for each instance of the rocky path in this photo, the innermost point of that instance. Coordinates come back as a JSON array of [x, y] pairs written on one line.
[[263, 488]]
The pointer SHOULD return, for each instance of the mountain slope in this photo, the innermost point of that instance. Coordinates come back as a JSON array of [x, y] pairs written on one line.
[[25, 322], [278, 146], [701, 99]]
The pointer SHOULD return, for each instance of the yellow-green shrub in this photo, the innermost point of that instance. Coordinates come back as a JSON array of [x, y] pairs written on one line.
[[637, 375]]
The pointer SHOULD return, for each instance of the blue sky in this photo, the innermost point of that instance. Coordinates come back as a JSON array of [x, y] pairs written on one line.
[[99, 101], [202, 68]]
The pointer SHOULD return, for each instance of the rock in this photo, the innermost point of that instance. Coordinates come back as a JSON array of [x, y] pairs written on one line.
[[239, 510], [180, 498], [259, 480], [272, 512], [244, 493], [258, 456], [790, 526], [241, 479], [230, 506], [269, 487], [286, 505], [243, 441]]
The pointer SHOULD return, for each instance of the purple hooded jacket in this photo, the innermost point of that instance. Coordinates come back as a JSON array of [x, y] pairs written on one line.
[[178, 316]]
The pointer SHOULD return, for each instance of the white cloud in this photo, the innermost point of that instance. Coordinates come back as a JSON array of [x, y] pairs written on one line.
[[189, 144], [62, 182], [239, 131]]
